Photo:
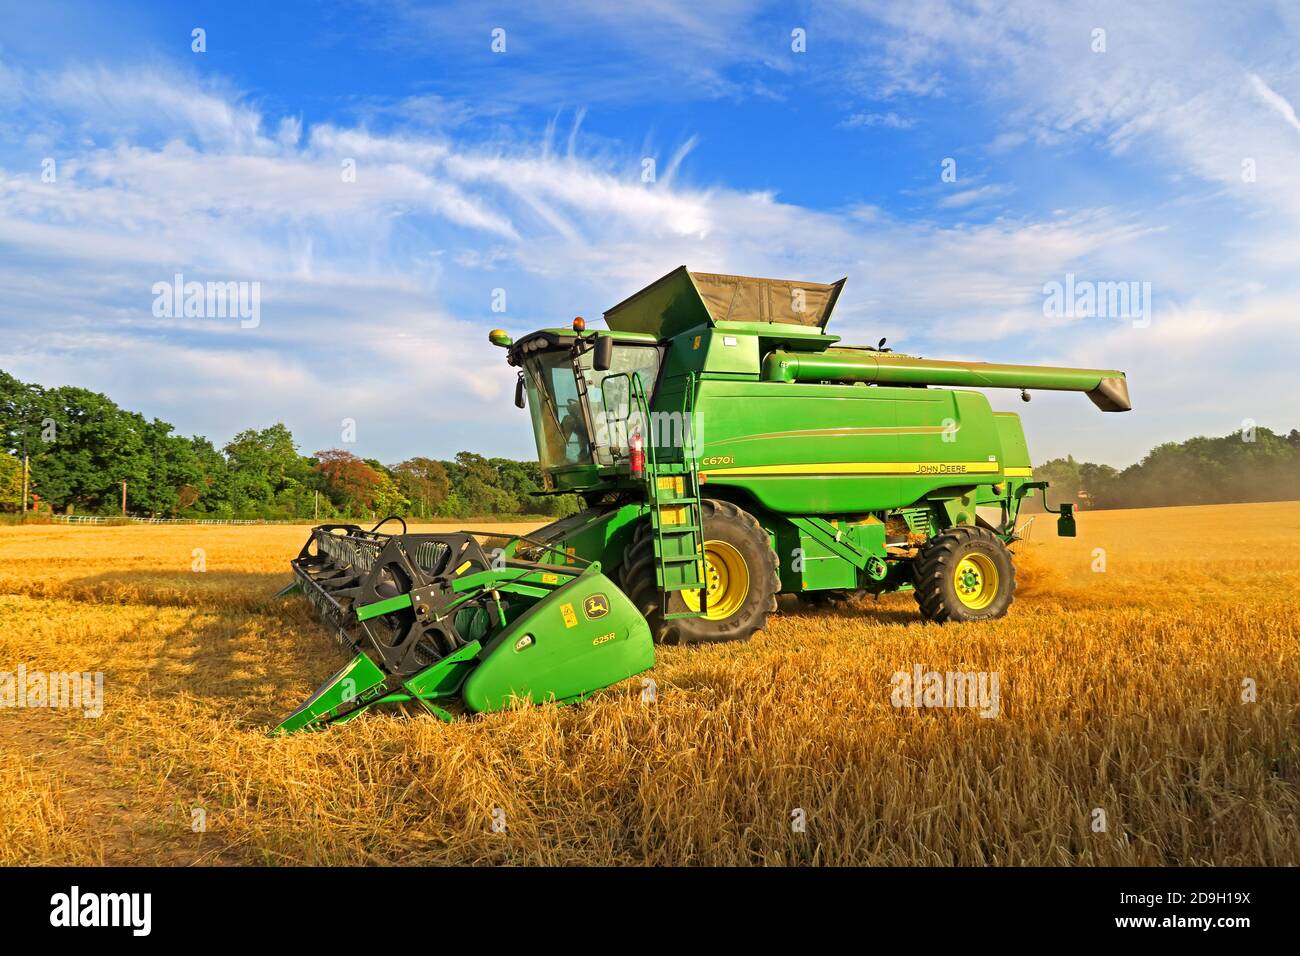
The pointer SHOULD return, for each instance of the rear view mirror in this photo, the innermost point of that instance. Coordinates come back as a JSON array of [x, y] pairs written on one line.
[[603, 360], [519, 391]]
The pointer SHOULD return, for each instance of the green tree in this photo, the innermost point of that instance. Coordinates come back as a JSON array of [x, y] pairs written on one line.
[[260, 465], [477, 483], [173, 465], [83, 447], [16, 401], [425, 483], [1095, 483], [388, 498], [210, 494], [11, 483]]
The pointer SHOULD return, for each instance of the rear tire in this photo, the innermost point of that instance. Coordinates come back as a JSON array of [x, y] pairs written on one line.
[[735, 534], [964, 574]]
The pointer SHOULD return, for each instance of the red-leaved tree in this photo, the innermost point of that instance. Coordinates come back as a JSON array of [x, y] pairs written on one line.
[[354, 482]]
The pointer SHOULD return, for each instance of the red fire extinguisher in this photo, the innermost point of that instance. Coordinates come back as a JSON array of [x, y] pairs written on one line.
[[636, 455]]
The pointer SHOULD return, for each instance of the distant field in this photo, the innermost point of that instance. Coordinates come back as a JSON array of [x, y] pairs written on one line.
[[1121, 691]]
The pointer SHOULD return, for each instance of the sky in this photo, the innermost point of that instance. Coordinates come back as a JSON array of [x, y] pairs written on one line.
[[386, 173]]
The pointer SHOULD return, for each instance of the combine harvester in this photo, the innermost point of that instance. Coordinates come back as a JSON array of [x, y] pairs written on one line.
[[728, 450]]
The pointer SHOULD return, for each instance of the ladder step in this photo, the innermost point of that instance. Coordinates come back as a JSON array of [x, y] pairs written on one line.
[[676, 516]]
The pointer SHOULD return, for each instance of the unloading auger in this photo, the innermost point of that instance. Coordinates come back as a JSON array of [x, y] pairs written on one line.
[[727, 450], [482, 619]]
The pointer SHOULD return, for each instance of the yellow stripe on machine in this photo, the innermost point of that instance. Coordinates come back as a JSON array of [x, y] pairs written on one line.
[[862, 468], [1018, 472]]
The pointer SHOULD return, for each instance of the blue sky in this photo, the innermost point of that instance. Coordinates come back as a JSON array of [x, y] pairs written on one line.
[[1167, 153]]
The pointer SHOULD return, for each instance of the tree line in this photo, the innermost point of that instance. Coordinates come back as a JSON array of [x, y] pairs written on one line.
[[82, 446], [1254, 464]]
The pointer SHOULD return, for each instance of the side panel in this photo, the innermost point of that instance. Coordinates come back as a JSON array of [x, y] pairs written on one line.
[[584, 636], [953, 429], [844, 449], [1015, 451], [799, 449]]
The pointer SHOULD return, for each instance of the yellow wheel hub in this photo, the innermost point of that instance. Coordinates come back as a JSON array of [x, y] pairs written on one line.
[[975, 580], [727, 578]]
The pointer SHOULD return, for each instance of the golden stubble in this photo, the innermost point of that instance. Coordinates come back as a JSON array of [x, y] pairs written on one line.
[[1121, 690]]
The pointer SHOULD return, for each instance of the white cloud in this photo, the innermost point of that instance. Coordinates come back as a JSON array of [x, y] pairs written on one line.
[[153, 100], [1275, 100], [969, 197], [890, 120]]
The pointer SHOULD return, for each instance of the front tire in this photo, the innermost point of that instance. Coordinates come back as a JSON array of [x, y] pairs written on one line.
[[740, 569], [964, 574]]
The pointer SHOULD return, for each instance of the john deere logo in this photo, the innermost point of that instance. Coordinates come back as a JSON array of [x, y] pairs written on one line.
[[595, 607]]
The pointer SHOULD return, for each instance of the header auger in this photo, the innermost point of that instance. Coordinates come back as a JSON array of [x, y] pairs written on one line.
[[727, 450]]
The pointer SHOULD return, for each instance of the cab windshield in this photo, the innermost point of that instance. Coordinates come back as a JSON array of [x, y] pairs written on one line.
[[567, 423]]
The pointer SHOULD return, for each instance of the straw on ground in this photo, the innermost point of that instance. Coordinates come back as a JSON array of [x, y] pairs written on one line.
[[1121, 690]]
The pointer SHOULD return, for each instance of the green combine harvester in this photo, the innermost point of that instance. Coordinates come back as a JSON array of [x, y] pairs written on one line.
[[727, 450]]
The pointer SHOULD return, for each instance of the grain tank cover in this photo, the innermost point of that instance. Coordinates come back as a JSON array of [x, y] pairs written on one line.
[[683, 300]]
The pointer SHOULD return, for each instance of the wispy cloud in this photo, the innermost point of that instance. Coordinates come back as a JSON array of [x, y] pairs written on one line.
[[890, 120], [1275, 100], [969, 197]]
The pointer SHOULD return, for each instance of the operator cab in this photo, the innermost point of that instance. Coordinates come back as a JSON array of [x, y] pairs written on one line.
[[576, 408]]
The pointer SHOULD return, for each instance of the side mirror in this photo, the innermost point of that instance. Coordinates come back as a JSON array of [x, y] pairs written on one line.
[[1065, 527], [519, 391], [603, 360]]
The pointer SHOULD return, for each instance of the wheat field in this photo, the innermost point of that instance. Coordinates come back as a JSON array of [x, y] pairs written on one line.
[[1121, 701]]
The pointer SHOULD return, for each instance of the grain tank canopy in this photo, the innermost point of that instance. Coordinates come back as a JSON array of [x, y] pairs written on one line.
[[684, 300]]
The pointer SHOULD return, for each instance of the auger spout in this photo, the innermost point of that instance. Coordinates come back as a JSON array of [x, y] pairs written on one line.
[[1107, 388]]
